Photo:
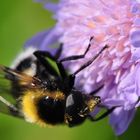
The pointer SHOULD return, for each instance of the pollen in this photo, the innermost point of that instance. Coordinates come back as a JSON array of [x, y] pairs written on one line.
[[91, 24], [91, 104]]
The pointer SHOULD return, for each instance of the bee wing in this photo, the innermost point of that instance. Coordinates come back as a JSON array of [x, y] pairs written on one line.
[[22, 78], [7, 100]]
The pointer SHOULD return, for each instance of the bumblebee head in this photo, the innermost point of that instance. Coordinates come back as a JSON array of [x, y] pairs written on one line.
[[78, 107]]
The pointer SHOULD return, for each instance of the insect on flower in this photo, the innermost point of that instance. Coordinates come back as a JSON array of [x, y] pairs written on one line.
[[46, 95]]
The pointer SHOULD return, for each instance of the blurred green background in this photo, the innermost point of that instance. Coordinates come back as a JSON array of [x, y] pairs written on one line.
[[20, 20]]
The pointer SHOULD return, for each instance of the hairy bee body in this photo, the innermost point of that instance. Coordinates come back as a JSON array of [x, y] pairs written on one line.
[[45, 95]]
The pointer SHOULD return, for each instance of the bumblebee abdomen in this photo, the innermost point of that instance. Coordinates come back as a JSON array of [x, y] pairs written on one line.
[[51, 111], [43, 107]]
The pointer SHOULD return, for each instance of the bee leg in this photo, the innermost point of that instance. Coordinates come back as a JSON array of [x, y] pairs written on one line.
[[90, 61], [76, 57], [105, 114], [71, 77], [96, 90], [41, 56], [58, 52], [13, 110]]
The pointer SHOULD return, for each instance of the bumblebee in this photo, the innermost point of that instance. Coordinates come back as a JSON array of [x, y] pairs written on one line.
[[44, 93]]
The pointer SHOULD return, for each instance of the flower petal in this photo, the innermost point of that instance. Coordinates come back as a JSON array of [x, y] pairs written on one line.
[[120, 119], [135, 38], [117, 67], [44, 40]]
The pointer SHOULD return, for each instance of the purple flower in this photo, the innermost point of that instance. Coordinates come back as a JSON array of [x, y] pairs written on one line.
[[116, 24]]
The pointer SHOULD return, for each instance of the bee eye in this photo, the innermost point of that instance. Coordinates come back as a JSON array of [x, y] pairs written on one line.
[[74, 103], [70, 101]]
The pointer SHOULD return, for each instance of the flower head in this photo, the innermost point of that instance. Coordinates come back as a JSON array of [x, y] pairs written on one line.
[[115, 23]]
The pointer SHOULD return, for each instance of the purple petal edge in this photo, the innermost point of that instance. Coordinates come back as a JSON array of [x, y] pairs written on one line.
[[43, 40], [120, 119]]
